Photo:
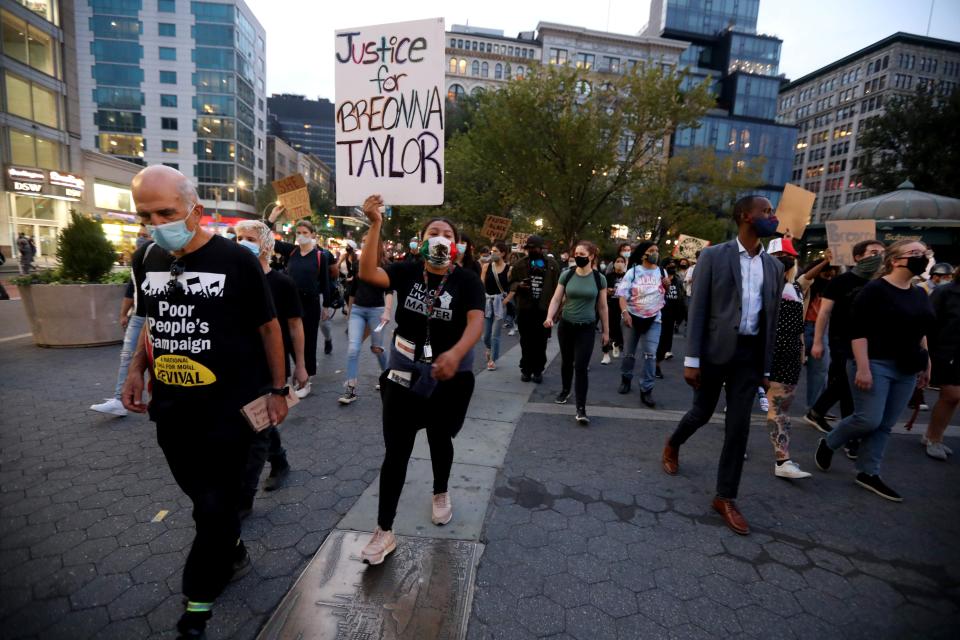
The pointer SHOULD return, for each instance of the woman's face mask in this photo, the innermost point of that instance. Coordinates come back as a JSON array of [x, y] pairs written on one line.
[[254, 247], [304, 239], [461, 247], [438, 251]]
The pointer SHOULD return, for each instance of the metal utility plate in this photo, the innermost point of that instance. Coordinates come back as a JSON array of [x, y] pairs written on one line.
[[423, 591]]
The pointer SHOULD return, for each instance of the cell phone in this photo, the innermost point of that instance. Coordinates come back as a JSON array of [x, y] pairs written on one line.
[[380, 326]]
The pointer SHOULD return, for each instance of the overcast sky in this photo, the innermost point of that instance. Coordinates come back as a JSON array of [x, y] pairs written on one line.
[[815, 32]]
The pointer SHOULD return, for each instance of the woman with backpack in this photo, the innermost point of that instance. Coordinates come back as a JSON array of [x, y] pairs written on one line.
[[582, 293], [642, 294]]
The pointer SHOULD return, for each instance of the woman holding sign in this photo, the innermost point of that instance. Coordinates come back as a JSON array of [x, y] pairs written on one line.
[[429, 381]]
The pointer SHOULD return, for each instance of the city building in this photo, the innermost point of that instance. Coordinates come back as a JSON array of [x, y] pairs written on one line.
[[743, 69], [283, 160], [181, 83], [831, 105], [306, 125], [480, 59]]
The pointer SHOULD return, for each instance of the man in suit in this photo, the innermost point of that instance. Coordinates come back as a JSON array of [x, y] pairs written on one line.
[[732, 323]]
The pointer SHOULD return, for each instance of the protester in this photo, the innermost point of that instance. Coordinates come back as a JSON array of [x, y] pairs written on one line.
[[465, 257], [836, 302], [27, 251], [891, 320], [430, 379], [945, 356], [532, 281], [131, 319], [258, 239], [688, 277], [940, 274], [732, 324], [581, 293], [213, 346], [348, 265], [673, 312], [230, 233], [313, 269], [495, 277], [371, 307], [623, 251], [785, 371], [813, 282], [613, 309], [413, 254], [642, 296]]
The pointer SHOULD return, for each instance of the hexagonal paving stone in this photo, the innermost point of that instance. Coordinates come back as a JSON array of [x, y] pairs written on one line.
[[587, 568], [613, 599], [540, 616], [102, 590], [588, 623]]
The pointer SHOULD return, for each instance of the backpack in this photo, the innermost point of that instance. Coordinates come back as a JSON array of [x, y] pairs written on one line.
[[597, 279]]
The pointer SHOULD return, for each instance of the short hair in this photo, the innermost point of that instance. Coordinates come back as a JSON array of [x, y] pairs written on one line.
[[502, 247], [188, 193], [744, 205], [861, 247], [306, 224], [261, 230]]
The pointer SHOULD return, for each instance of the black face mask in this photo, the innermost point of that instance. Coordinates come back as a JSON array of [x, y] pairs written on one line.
[[582, 261], [916, 264], [534, 253], [671, 270]]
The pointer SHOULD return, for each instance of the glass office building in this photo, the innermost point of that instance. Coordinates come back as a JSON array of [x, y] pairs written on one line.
[[180, 83], [306, 125]]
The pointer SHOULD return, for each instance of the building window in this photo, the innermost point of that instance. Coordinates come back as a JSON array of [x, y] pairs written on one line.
[[167, 6], [474, 45], [168, 77], [116, 144], [475, 68], [28, 44], [168, 53], [489, 47], [170, 146], [519, 75], [585, 61], [453, 65], [558, 56], [498, 72], [507, 72], [170, 124], [167, 29], [455, 92], [46, 9], [31, 101], [485, 70], [459, 43], [172, 165], [32, 151], [168, 100], [462, 67], [108, 196]]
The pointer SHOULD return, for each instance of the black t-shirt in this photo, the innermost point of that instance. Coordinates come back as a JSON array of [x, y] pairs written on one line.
[[613, 281], [893, 320], [461, 293], [490, 281], [286, 301], [310, 272], [206, 354], [367, 295], [674, 292], [843, 289]]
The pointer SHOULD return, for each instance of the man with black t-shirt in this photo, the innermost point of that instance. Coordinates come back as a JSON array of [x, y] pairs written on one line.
[[835, 312], [213, 345], [533, 281]]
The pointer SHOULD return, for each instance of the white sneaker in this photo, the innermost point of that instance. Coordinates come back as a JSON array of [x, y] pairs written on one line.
[[668, 355], [110, 406], [512, 332], [605, 359], [382, 543], [442, 509], [764, 404], [926, 443], [303, 391], [924, 407], [789, 469], [937, 451], [616, 351]]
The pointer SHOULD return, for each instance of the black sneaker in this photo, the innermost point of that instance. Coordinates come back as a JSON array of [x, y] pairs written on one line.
[[348, 396], [851, 449], [192, 625], [624, 385], [327, 347], [824, 455], [658, 374], [582, 418], [241, 562], [538, 378], [878, 486], [817, 421], [525, 376], [646, 397], [562, 397], [278, 473]]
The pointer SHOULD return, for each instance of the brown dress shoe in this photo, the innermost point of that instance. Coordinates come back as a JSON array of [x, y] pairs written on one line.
[[731, 515], [671, 459]]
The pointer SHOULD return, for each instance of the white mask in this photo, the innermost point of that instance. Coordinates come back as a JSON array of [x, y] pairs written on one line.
[[305, 241]]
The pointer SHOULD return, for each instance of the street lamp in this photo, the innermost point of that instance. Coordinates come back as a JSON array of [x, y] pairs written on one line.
[[538, 223]]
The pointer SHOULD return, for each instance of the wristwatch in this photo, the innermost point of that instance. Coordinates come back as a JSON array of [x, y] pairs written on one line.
[[281, 391]]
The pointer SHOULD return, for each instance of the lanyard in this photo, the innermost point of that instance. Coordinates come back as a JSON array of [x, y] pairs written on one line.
[[427, 350]]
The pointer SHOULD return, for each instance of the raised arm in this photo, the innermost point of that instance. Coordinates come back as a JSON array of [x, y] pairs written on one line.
[[370, 270]]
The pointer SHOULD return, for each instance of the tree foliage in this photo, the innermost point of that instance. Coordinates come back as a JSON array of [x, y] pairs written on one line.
[[916, 138], [84, 252]]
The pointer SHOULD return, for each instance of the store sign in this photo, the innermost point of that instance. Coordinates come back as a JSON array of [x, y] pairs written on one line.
[[72, 185], [36, 182]]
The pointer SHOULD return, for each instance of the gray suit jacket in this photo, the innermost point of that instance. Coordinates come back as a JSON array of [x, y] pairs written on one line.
[[715, 306]]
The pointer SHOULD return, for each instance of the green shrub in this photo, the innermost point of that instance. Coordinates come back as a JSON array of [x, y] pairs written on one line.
[[84, 252]]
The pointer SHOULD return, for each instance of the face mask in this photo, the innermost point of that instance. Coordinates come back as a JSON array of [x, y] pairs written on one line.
[[652, 258], [414, 245], [916, 264], [438, 251], [172, 236], [671, 270], [142, 241], [485, 258], [868, 266], [496, 257], [305, 241], [534, 253], [253, 246], [461, 247], [229, 236], [625, 254], [581, 261], [619, 267], [766, 227]]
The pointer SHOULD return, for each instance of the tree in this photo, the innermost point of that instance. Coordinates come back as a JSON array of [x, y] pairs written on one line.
[[916, 138], [567, 146]]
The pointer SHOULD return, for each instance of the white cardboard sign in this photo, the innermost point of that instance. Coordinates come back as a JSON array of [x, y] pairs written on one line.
[[390, 112]]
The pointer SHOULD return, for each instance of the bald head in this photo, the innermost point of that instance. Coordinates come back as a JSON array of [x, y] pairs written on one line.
[[163, 194], [160, 177]]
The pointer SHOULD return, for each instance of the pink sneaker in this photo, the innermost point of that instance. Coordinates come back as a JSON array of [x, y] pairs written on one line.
[[382, 543], [442, 509]]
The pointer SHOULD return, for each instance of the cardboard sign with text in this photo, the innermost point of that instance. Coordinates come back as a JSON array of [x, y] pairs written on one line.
[[293, 195], [843, 234], [495, 227], [389, 115], [687, 247], [520, 239], [794, 210]]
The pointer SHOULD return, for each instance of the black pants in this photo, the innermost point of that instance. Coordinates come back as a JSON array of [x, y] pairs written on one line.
[[670, 317], [311, 324], [405, 413], [576, 347], [613, 314], [742, 375], [838, 386], [207, 458], [533, 339], [265, 446]]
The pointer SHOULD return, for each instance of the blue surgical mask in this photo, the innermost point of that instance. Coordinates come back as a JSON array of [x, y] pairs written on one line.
[[414, 245], [172, 236], [461, 248], [253, 246], [230, 236]]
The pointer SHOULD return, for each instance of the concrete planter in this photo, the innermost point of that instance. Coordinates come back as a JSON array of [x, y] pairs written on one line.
[[74, 315]]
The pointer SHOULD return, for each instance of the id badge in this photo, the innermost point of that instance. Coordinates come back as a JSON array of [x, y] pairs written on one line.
[[402, 378], [427, 352]]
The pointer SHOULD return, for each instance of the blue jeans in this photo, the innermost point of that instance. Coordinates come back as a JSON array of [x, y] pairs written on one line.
[[492, 327], [816, 369], [130, 340], [360, 319], [874, 413], [650, 341]]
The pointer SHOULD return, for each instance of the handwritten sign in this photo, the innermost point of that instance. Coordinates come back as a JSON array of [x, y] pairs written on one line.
[[257, 414], [794, 210], [389, 112], [687, 247], [495, 227], [293, 195], [520, 239], [843, 234]]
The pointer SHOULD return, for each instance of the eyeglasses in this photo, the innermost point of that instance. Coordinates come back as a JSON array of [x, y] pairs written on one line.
[[177, 268]]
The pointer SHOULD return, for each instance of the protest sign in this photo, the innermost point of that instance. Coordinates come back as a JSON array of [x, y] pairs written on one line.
[[389, 112], [293, 195], [843, 234], [520, 239], [687, 247], [495, 227], [794, 210]]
